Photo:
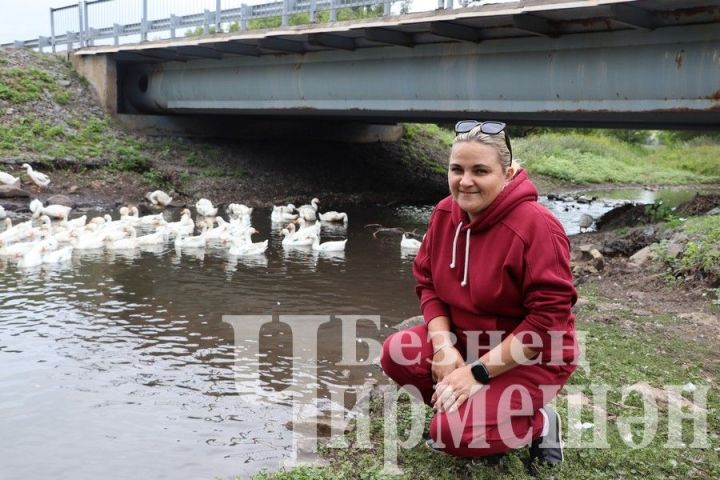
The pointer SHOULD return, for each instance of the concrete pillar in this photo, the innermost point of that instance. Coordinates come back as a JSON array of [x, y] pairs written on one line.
[[101, 72]]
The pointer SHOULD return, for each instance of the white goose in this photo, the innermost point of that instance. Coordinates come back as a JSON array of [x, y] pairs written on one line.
[[124, 243], [333, 216], [32, 258], [283, 213], [16, 249], [2, 212], [58, 256], [39, 179], [7, 179], [237, 210], [185, 225], [128, 215], [53, 211], [309, 212], [297, 239], [306, 227], [87, 240], [408, 243], [159, 198], [76, 222], [185, 241], [217, 232], [334, 246], [205, 208], [246, 246], [157, 238], [154, 220]]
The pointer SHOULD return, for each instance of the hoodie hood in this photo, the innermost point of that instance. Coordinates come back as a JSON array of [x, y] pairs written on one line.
[[519, 190]]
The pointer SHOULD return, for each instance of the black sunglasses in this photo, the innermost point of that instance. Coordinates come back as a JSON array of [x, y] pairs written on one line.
[[490, 127]]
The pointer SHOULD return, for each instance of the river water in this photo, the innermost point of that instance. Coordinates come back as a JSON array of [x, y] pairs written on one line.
[[121, 366]]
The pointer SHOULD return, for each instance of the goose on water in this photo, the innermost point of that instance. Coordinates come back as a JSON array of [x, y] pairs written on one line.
[[58, 256], [205, 208], [283, 213], [157, 238], [297, 239], [39, 179], [159, 198], [185, 241], [124, 243], [53, 211], [244, 246], [333, 216], [408, 243], [309, 212], [334, 246]]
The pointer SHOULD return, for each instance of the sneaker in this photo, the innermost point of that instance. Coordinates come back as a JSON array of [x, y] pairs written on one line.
[[547, 450], [433, 446]]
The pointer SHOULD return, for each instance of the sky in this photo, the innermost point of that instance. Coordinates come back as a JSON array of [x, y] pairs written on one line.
[[29, 19]]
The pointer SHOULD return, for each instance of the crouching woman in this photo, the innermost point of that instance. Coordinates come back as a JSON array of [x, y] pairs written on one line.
[[496, 292]]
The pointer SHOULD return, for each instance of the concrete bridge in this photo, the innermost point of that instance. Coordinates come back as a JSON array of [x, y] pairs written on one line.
[[614, 63]]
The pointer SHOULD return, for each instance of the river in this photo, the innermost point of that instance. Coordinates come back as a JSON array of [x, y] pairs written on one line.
[[121, 366]]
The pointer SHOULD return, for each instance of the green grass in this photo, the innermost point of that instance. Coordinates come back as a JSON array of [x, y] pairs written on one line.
[[616, 358], [19, 85], [595, 158], [700, 258]]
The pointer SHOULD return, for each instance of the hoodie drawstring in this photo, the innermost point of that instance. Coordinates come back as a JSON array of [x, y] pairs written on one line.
[[467, 258], [467, 252], [457, 234]]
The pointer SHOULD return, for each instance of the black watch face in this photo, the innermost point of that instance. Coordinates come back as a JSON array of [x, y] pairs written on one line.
[[479, 373]]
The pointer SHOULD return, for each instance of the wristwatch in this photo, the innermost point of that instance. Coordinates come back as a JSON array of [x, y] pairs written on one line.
[[480, 372]]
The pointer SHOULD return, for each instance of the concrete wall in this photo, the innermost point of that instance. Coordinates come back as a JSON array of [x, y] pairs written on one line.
[[101, 72]]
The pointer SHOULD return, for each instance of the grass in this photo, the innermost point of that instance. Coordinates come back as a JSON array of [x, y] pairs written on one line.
[[596, 158], [19, 85], [700, 258], [616, 358]]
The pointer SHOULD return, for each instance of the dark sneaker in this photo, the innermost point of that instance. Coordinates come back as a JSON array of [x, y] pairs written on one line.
[[433, 446], [547, 450]]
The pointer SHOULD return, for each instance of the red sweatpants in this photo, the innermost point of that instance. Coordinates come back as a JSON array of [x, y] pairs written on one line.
[[502, 416]]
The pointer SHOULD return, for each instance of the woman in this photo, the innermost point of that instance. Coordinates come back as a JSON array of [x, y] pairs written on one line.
[[496, 293]]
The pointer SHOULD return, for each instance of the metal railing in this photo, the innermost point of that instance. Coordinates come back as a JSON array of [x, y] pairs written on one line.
[[90, 21]]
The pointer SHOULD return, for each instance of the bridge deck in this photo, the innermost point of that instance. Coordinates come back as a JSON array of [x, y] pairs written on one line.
[[525, 18]]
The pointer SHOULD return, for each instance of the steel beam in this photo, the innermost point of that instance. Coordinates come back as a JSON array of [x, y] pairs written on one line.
[[390, 37], [331, 41], [236, 48], [199, 52], [534, 24], [456, 31], [282, 45], [632, 16], [653, 79]]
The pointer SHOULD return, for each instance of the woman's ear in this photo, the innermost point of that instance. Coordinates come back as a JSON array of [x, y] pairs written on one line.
[[510, 173]]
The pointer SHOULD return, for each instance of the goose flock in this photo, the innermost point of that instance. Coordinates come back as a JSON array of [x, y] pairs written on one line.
[[50, 236]]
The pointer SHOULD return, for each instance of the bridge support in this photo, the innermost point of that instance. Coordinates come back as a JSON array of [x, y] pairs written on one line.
[[101, 72]]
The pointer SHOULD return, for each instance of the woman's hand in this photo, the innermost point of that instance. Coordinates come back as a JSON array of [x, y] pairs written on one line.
[[455, 389], [445, 361]]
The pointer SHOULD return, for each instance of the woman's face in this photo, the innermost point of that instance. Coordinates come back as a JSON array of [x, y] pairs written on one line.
[[475, 176]]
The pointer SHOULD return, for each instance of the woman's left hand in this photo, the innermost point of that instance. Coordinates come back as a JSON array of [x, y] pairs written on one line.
[[454, 390]]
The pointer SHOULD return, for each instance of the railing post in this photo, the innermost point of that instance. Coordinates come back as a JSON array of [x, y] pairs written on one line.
[[244, 15], [86, 27], [218, 15], [284, 22], [333, 11], [80, 22], [387, 6], [69, 36], [450, 5], [144, 24], [441, 4], [206, 24], [52, 28], [42, 43], [117, 30], [173, 25], [313, 9]]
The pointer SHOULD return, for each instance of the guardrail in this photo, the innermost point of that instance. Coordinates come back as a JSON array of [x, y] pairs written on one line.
[[81, 30]]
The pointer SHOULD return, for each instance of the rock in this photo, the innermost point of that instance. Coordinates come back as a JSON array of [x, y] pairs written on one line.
[[642, 256], [552, 196], [674, 250], [583, 199], [582, 253], [9, 191], [64, 83], [714, 211], [73, 189], [598, 261], [60, 200]]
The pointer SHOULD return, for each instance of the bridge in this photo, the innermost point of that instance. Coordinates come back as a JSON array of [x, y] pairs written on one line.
[[608, 63]]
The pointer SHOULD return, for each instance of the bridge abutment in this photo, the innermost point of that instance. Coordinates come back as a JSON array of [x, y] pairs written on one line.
[[101, 72]]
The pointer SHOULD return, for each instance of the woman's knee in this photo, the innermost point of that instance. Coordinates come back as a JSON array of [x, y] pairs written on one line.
[[402, 355]]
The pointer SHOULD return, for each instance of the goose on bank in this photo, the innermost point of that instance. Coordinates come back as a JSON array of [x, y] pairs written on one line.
[[39, 179], [7, 179], [159, 198]]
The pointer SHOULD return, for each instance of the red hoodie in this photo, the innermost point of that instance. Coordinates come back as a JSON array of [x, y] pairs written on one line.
[[507, 270]]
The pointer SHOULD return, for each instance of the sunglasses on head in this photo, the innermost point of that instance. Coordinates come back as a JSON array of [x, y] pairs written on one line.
[[490, 127]]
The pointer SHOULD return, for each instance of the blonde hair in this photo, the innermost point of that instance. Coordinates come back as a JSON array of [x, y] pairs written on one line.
[[496, 141]]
